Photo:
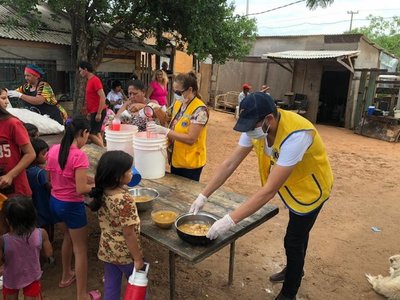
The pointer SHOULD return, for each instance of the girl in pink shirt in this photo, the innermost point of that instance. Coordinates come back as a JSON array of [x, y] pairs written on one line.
[[67, 165]]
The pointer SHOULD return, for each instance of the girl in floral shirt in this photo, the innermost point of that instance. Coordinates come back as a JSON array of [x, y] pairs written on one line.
[[119, 246]]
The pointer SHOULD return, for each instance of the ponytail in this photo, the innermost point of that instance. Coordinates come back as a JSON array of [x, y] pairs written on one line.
[[73, 128]]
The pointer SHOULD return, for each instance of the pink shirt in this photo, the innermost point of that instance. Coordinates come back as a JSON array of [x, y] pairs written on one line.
[[63, 181], [159, 93]]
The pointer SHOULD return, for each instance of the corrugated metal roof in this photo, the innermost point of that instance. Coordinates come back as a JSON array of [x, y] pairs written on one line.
[[310, 54], [43, 36], [57, 31]]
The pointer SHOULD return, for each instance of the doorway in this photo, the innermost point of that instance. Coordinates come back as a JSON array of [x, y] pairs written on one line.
[[333, 98]]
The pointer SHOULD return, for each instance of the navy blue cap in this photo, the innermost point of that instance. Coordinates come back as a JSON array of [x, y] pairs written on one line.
[[253, 109]]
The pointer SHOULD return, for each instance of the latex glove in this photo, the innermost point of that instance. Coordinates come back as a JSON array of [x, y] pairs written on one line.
[[198, 204], [220, 227], [14, 94], [154, 128]]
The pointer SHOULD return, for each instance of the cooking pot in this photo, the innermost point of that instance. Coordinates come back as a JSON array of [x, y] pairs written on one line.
[[199, 218]]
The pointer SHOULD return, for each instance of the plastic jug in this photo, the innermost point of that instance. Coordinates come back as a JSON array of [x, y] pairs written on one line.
[[137, 284]]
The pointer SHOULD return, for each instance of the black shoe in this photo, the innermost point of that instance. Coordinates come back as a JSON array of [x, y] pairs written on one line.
[[280, 277], [282, 297]]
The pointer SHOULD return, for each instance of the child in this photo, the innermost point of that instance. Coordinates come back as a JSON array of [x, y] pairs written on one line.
[[119, 221], [16, 154], [68, 166], [33, 131], [40, 187], [20, 250], [109, 112]]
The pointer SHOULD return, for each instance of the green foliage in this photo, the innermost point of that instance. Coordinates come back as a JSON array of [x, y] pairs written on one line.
[[313, 4], [384, 32], [202, 27]]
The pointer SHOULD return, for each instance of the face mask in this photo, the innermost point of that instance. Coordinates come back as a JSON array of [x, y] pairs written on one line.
[[178, 98], [258, 132]]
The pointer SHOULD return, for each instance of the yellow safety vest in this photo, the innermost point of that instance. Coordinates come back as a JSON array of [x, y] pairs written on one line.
[[310, 183], [184, 155]]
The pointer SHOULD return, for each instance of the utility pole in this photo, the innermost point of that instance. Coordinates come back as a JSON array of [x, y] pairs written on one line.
[[247, 7], [351, 19]]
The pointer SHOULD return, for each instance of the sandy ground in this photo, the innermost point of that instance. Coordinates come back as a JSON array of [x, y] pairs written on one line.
[[342, 245]]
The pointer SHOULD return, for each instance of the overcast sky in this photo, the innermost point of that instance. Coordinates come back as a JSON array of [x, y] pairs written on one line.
[[297, 19]]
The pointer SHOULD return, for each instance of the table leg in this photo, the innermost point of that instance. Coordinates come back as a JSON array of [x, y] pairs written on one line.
[[231, 262], [172, 257]]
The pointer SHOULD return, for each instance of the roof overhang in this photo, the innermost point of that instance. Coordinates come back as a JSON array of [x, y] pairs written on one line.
[[343, 57]]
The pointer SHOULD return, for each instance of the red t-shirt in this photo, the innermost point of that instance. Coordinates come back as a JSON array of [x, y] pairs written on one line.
[[92, 98], [13, 135]]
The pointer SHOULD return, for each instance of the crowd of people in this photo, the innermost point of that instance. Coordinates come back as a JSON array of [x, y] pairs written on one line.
[[53, 181]]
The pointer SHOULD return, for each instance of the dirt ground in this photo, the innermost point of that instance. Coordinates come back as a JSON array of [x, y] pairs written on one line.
[[342, 246]]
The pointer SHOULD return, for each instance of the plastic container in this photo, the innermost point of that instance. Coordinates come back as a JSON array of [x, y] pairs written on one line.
[[371, 110], [116, 124], [122, 139], [136, 177], [137, 285], [397, 113], [150, 154]]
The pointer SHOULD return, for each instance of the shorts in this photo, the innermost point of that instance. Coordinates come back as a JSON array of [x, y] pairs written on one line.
[[73, 214], [95, 127], [33, 290]]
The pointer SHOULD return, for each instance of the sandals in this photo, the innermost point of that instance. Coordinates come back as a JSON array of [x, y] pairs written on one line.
[[95, 295], [67, 283]]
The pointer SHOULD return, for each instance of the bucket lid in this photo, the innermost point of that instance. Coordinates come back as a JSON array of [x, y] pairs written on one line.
[[150, 136]]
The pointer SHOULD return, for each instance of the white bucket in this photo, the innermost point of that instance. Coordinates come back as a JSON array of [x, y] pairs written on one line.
[[122, 139], [150, 154], [397, 113]]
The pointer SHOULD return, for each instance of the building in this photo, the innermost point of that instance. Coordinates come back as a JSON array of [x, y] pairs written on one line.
[[49, 47], [323, 69]]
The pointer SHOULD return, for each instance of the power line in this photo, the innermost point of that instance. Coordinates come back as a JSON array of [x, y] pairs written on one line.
[[276, 8], [326, 23]]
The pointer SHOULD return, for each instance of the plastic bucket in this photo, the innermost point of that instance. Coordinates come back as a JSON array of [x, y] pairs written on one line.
[[150, 154], [397, 113], [121, 139], [371, 110]]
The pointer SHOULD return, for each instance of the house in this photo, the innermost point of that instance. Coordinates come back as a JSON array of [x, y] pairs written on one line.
[[49, 48], [324, 69]]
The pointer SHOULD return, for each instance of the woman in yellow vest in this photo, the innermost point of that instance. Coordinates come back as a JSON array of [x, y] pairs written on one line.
[[187, 130], [293, 163]]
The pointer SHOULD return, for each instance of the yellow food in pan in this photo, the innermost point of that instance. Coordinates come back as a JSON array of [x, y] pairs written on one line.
[[195, 228], [142, 198]]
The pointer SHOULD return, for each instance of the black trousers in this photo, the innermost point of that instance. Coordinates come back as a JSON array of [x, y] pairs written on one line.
[[193, 174], [296, 241]]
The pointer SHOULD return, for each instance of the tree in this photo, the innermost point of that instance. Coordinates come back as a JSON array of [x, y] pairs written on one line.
[[202, 27], [384, 32]]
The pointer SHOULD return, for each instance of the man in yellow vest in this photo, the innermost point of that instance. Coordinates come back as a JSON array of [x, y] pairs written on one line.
[[293, 163]]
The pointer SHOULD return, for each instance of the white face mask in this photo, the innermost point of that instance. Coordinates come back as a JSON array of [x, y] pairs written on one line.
[[258, 132], [178, 98]]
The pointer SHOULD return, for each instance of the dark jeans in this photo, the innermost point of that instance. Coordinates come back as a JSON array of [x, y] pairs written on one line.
[[296, 241], [193, 174]]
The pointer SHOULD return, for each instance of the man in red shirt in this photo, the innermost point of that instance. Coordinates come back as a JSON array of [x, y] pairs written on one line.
[[95, 102]]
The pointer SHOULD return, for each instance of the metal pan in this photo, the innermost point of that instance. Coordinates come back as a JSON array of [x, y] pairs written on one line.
[[200, 218], [142, 191]]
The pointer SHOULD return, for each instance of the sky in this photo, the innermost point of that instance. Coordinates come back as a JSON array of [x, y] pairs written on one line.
[[297, 19]]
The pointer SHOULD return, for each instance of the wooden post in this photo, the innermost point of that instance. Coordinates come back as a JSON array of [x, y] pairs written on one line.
[[360, 98]]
